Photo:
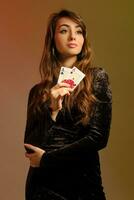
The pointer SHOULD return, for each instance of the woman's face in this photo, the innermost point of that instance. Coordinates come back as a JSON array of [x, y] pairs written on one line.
[[68, 38]]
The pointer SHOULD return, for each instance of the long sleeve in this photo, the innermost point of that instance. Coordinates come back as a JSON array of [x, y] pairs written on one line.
[[36, 122], [96, 132]]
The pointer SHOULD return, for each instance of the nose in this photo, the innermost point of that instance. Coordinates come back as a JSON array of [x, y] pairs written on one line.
[[72, 35]]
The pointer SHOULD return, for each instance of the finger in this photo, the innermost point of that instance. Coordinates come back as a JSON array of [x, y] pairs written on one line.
[[30, 146], [60, 90], [61, 84], [64, 91], [28, 155], [59, 102], [70, 89]]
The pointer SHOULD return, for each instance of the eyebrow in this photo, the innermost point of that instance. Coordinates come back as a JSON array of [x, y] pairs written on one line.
[[77, 26]]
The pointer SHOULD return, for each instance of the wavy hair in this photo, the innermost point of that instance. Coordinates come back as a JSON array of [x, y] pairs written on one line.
[[81, 98]]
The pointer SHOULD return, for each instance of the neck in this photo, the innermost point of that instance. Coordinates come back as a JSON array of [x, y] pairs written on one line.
[[68, 61]]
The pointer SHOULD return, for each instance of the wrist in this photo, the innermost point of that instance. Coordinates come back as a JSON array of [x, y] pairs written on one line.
[[53, 110], [54, 115]]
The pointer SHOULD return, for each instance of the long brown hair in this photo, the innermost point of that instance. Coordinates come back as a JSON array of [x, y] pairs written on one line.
[[82, 97]]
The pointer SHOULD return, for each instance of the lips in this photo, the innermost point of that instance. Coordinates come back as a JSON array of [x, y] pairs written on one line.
[[72, 45]]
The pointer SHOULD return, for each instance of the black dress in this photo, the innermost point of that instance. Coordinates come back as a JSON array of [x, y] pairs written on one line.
[[70, 168]]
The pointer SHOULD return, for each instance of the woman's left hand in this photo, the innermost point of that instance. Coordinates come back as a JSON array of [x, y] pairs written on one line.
[[35, 156]]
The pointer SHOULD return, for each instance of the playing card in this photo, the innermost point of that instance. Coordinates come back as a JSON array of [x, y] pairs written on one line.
[[76, 76], [64, 74], [71, 76], [61, 75]]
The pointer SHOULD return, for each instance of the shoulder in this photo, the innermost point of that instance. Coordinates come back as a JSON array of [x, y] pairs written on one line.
[[101, 84], [34, 91], [99, 73]]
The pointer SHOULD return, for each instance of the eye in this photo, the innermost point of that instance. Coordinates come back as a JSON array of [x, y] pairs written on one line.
[[63, 31], [79, 32]]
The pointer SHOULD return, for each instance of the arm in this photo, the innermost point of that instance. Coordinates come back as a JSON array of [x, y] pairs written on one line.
[[44, 120], [33, 130], [96, 132]]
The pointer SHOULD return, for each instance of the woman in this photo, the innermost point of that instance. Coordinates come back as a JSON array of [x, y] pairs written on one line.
[[67, 127]]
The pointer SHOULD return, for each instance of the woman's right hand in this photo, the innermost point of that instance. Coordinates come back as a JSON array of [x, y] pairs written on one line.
[[57, 94]]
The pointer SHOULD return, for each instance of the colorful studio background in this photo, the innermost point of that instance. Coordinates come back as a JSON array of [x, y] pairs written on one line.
[[111, 30]]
